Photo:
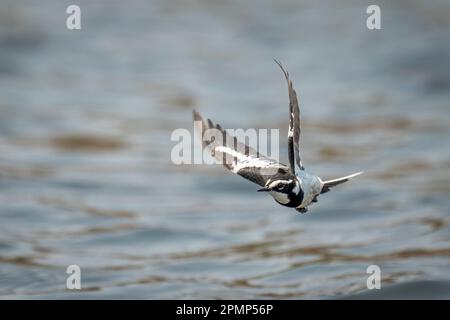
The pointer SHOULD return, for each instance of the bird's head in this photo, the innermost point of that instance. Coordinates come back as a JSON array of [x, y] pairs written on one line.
[[286, 186], [285, 191]]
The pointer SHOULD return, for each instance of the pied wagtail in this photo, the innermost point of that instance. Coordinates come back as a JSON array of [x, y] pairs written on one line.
[[290, 186]]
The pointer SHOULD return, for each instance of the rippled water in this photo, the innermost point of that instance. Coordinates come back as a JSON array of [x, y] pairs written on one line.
[[85, 170]]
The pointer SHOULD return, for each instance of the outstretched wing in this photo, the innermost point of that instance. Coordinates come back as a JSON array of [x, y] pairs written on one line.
[[295, 161], [331, 183], [234, 155]]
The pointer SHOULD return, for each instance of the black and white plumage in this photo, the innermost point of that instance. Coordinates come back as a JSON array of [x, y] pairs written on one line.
[[290, 186]]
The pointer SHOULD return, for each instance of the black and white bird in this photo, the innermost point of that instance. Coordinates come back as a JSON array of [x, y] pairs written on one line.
[[291, 186]]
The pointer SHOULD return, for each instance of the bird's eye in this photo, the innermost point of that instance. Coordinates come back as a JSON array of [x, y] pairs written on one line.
[[280, 186]]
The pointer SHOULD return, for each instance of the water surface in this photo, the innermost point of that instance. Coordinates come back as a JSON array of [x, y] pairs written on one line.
[[85, 170]]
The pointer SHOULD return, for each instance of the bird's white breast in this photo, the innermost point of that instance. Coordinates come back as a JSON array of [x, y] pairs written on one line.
[[311, 186], [280, 197]]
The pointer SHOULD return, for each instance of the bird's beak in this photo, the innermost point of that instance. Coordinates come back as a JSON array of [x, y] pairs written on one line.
[[264, 189]]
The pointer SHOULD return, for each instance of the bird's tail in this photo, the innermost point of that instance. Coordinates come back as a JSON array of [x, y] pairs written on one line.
[[334, 182]]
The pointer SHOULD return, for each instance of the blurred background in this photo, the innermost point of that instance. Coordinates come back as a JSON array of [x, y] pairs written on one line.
[[86, 176]]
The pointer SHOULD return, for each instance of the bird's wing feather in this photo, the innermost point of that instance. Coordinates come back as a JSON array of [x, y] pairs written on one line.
[[234, 155], [331, 183], [295, 161]]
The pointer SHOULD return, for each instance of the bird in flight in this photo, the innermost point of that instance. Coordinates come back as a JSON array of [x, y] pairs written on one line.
[[291, 186]]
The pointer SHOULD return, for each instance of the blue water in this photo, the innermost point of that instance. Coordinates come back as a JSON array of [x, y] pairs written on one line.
[[86, 176]]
